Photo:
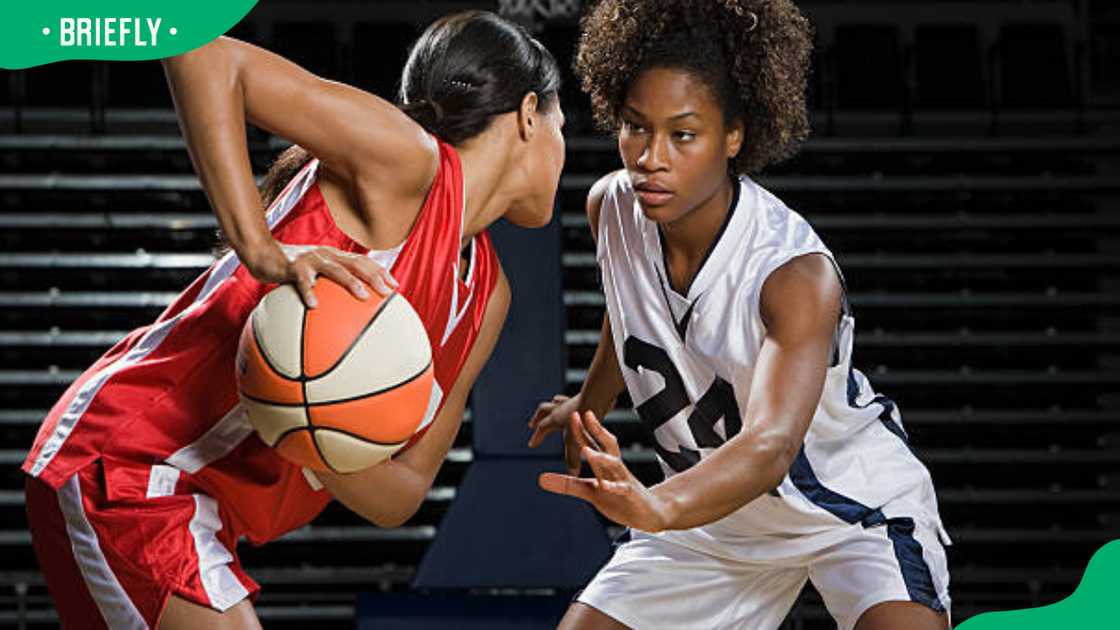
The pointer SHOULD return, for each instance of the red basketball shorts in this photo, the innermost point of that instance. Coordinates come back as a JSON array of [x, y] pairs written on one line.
[[117, 540]]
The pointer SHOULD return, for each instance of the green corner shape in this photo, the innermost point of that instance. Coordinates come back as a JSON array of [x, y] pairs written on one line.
[[36, 33], [1093, 605]]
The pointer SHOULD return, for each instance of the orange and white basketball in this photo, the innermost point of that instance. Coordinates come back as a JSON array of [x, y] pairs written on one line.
[[340, 387]]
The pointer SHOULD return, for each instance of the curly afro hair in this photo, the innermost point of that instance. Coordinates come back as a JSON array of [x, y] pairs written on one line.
[[753, 54]]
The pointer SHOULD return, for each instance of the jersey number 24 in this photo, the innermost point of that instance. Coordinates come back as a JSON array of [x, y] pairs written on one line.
[[718, 402]]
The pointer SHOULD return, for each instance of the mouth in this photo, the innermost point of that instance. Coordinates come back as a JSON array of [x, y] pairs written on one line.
[[651, 194]]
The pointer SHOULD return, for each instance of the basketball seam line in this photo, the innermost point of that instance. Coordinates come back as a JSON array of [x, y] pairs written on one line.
[[310, 426], [353, 342], [303, 377], [313, 429], [264, 353], [339, 400]]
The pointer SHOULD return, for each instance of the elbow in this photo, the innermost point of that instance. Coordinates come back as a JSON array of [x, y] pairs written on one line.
[[206, 51], [214, 66], [389, 521], [774, 452], [392, 516]]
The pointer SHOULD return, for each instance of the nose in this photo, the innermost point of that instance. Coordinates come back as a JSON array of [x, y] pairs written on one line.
[[653, 157]]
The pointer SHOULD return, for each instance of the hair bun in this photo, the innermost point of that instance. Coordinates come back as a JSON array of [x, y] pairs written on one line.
[[467, 68], [426, 112]]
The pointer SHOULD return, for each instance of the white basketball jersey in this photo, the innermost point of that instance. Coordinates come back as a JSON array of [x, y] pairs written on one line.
[[688, 362]]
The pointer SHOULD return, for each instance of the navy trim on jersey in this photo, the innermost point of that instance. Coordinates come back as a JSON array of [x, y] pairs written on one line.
[[682, 326], [844, 508], [845, 311], [845, 303], [893, 426], [888, 407], [907, 550], [623, 538]]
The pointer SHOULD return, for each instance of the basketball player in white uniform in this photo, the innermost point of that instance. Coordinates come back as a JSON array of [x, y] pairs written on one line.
[[728, 325]]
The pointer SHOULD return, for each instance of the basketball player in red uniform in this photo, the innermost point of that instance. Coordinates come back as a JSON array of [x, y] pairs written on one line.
[[146, 473]]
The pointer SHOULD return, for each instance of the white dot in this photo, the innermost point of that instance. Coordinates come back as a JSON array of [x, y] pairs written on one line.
[[46, 30], [174, 31]]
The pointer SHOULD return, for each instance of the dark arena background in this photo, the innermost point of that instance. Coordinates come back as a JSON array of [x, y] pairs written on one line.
[[964, 163]]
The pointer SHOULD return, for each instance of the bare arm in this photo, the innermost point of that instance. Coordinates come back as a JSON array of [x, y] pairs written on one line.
[[800, 307], [217, 87], [390, 493], [603, 383], [604, 377]]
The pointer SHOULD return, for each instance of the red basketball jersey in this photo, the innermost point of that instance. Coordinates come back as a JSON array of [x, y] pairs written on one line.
[[166, 393]]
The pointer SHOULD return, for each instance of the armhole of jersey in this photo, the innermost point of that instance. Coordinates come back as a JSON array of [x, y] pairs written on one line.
[[449, 164], [461, 207], [292, 193], [840, 350], [387, 258]]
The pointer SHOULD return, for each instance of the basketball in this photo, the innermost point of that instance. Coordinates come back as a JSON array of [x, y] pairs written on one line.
[[340, 387]]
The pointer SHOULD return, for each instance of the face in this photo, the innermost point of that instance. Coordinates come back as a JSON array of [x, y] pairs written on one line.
[[542, 160], [674, 142]]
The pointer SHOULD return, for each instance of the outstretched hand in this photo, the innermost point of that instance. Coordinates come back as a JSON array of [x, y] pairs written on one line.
[[554, 416], [613, 490]]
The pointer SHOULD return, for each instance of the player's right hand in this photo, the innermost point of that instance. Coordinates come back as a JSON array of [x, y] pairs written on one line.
[[302, 264], [552, 416]]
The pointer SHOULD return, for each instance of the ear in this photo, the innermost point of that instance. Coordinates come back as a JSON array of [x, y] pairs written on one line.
[[527, 116], [735, 136]]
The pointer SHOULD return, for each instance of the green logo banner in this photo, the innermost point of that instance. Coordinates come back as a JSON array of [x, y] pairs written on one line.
[[1092, 605], [35, 33]]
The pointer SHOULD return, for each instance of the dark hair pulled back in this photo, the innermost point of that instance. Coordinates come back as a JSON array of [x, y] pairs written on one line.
[[467, 68], [464, 69]]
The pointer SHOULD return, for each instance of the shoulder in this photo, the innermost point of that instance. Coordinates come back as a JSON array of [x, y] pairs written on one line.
[[425, 156], [781, 240], [413, 172], [802, 293], [405, 153], [778, 220], [596, 195]]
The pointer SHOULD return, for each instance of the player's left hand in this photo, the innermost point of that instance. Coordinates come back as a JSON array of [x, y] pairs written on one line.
[[614, 490]]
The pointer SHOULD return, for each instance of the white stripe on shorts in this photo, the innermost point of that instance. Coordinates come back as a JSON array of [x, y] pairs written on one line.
[[161, 481], [111, 599], [221, 585]]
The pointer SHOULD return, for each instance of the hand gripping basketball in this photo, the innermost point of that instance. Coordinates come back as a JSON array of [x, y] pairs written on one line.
[[301, 265]]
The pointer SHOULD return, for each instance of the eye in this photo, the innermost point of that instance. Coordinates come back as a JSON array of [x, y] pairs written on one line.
[[685, 136]]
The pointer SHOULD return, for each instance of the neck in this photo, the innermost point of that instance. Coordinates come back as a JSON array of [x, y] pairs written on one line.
[[485, 161], [688, 239]]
